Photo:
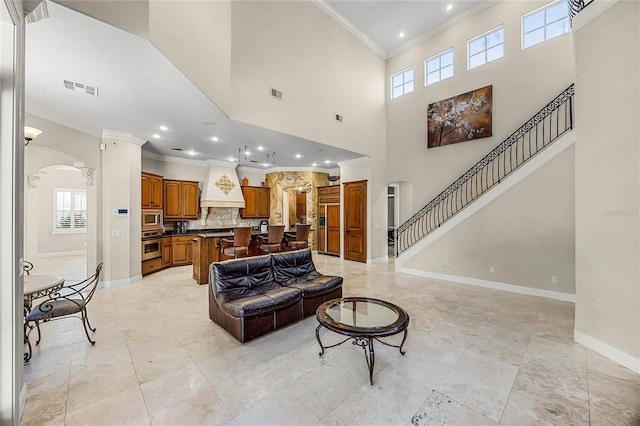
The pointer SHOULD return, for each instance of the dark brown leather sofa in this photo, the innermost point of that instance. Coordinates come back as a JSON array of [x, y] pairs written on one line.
[[252, 296]]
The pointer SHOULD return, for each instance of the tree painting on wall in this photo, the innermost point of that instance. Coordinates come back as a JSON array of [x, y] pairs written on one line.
[[460, 118]]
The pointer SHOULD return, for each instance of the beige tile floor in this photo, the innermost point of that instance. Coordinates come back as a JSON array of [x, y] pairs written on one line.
[[474, 357]]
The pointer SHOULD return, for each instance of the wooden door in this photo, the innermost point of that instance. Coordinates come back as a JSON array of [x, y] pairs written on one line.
[[181, 251], [172, 192], [196, 256], [262, 209], [145, 193], [322, 234], [333, 228], [155, 201], [355, 221], [190, 195], [166, 252], [250, 200]]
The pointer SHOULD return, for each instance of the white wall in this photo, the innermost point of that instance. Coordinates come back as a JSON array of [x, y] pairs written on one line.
[[50, 243], [61, 145], [526, 235], [523, 82], [608, 182]]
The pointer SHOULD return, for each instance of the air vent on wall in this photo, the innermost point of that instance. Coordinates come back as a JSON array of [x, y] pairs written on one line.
[[276, 93], [81, 88], [339, 118]]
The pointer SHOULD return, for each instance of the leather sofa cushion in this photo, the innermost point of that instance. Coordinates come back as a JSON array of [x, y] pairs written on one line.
[[242, 273], [315, 284], [244, 302], [292, 265]]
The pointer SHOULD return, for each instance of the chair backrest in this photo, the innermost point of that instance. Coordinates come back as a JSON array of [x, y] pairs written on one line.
[[27, 266], [242, 236], [302, 232], [275, 234], [85, 288]]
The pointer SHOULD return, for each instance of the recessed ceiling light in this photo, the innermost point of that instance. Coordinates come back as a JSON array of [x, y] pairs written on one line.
[[260, 148], [191, 153], [164, 128], [401, 34], [449, 7], [247, 152], [215, 139], [232, 159], [298, 156], [327, 162], [314, 165], [157, 136]]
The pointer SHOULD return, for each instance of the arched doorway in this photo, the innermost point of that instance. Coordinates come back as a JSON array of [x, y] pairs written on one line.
[[57, 220]]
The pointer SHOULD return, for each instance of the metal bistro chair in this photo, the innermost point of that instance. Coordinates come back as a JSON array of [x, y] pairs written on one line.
[[272, 242], [239, 244], [70, 300], [27, 266], [300, 239]]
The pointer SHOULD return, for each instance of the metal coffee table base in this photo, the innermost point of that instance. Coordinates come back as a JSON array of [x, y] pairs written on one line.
[[366, 343]]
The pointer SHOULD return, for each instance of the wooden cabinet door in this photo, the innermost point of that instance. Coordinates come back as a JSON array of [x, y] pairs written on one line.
[[155, 200], [172, 195], [145, 193], [181, 251], [262, 205], [250, 201], [355, 221], [333, 228], [166, 252], [196, 255], [190, 202]]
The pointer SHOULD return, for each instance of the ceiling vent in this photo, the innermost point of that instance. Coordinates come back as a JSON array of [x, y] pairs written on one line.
[[339, 118], [177, 149], [276, 94], [81, 88]]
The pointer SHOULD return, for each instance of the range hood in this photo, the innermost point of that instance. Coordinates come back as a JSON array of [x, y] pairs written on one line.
[[221, 188]]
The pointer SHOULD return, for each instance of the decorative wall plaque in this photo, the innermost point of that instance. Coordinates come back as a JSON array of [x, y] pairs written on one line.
[[225, 184]]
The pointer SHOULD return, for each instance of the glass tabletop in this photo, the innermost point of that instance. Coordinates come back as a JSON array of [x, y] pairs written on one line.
[[362, 314]]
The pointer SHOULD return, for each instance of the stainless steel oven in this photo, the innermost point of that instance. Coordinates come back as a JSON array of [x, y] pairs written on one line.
[[151, 220], [151, 248]]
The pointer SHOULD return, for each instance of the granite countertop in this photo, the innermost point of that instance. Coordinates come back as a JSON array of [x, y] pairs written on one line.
[[210, 233]]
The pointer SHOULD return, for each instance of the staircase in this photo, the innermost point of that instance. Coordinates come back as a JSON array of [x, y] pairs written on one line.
[[545, 127]]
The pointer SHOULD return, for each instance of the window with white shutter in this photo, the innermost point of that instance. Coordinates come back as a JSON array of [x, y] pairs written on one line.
[[70, 210]]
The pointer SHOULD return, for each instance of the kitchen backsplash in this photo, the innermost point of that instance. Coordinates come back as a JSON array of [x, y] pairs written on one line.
[[220, 217]]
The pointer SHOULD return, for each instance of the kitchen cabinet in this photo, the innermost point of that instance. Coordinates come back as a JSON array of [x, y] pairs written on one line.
[[257, 202], [153, 265], [152, 191], [329, 220], [205, 252], [181, 250], [166, 251], [301, 205], [181, 199]]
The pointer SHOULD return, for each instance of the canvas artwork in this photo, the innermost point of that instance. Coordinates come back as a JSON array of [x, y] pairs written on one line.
[[460, 118]]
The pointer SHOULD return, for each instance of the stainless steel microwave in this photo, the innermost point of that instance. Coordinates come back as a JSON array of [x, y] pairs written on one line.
[[151, 219]]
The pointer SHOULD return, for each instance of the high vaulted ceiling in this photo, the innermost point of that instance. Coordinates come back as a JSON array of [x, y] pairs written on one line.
[[137, 90]]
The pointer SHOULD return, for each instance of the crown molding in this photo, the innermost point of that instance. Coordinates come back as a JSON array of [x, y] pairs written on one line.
[[338, 17], [122, 136], [423, 37], [169, 159], [355, 161]]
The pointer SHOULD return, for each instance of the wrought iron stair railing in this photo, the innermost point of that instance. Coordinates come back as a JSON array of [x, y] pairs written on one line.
[[537, 133]]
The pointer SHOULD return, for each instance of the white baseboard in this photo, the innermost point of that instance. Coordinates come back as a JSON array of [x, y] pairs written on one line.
[[529, 291], [382, 259], [120, 283], [62, 253], [23, 399], [606, 350]]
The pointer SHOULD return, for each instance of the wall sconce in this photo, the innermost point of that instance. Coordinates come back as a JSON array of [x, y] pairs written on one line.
[[30, 133]]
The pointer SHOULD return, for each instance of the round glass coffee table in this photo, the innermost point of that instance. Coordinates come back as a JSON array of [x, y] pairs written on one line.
[[363, 320]]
